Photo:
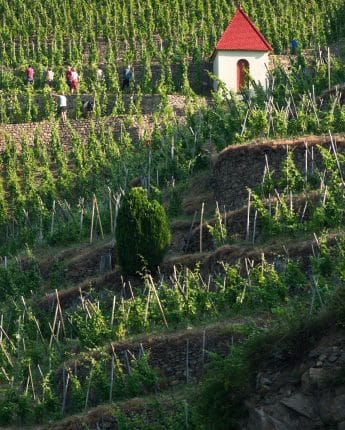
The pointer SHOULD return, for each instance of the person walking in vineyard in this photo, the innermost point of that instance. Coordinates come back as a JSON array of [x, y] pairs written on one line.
[[294, 46], [68, 76], [88, 108], [99, 74], [30, 73], [49, 77], [127, 77], [62, 103], [74, 80]]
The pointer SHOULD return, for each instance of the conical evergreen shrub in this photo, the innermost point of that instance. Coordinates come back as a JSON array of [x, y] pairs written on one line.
[[142, 232]]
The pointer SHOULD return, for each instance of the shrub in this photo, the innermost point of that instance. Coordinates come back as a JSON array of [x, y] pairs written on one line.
[[142, 232]]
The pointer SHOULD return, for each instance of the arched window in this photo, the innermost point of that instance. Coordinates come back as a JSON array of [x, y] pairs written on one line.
[[242, 74]]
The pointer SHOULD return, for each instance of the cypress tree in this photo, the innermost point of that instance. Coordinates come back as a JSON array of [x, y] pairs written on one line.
[[142, 232]]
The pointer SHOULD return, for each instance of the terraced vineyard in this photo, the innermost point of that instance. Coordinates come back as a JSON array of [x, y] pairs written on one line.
[[253, 278]]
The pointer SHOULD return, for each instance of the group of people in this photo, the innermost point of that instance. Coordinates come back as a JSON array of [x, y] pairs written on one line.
[[72, 80], [72, 77], [88, 106]]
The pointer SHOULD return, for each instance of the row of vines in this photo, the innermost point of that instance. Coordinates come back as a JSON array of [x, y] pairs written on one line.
[[66, 32]]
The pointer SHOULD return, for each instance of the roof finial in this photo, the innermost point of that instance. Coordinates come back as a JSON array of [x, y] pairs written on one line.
[[239, 5]]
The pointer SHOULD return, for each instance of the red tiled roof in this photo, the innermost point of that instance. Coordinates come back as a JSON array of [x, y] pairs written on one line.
[[242, 35]]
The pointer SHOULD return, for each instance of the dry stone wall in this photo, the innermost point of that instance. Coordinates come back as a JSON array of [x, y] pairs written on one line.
[[149, 105], [177, 359], [17, 132], [239, 167]]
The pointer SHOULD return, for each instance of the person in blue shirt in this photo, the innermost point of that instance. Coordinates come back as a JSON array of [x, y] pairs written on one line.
[[127, 77], [294, 46]]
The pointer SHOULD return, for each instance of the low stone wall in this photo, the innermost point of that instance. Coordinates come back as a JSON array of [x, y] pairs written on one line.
[[17, 132], [239, 167], [149, 105], [178, 359]]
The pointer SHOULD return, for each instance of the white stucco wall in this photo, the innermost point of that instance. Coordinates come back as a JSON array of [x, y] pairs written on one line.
[[225, 66]]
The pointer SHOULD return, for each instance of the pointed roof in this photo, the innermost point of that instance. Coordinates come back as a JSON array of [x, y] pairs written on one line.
[[242, 35]]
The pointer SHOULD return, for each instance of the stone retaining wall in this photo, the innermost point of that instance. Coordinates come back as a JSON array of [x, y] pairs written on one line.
[[239, 167], [178, 359], [149, 105]]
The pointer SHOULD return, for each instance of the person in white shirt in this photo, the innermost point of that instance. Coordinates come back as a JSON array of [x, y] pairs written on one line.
[[49, 77], [99, 74], [62, 102]]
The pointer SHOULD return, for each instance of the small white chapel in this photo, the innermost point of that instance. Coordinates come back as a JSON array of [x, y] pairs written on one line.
[[241, 51]]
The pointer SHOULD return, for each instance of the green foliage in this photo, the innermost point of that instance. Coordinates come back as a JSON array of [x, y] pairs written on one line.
[[291, 179], [220, 403], [218, 230], [175, 200], [142, 232], [92, 329], [15, 283]]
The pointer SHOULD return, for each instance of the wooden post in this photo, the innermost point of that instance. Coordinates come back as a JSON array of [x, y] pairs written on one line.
[[92, 219], [254, 226], [58, 331], [6, 354], [98, 216], [245, 120], [329, 67], [38, 328], [88, 388], [111, 211], [18, 338], [187, 362], [248, 214], [64, 390], [60, 311], [131, 289], [304, 209], [53, 218], [147, 303], [111, 378], [81, 215], [312, 160], [113, 312], [53, 327], [201, 221], [324, 196], [1, 324], [81, 299], [336, 156], [158, 300]]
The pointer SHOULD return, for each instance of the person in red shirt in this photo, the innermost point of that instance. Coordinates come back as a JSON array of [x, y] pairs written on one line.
[[74, 80], [30, 73], [68, 76]]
